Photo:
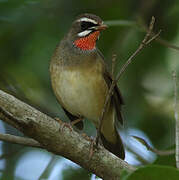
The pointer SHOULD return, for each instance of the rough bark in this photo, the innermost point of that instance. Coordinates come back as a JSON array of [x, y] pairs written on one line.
[[67, 143]]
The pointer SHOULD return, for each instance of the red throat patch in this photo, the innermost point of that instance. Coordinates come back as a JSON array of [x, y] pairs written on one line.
[[88, 42]]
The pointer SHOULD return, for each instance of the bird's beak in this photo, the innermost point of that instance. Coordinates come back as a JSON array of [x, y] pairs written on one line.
[[101, 27]]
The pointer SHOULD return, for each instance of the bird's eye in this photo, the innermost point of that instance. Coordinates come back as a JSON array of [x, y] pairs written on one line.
[[85, 25]]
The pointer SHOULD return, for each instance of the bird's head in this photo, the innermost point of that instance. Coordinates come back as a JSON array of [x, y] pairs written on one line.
[[85, 31]]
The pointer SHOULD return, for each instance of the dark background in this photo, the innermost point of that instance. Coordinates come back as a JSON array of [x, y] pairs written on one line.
[[29, 33]]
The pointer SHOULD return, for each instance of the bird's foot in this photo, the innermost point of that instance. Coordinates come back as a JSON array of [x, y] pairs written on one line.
[[76, 121], [68, 125], [93, 147], [86, 137], [58, 120], [64, 124]]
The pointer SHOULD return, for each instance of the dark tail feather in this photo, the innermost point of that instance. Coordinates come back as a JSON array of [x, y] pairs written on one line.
[[116, 148]]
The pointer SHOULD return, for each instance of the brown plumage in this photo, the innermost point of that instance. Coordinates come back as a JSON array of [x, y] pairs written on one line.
[[80, 80]]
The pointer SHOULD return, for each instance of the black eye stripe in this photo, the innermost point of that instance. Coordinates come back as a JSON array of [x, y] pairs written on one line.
[[85, 25]]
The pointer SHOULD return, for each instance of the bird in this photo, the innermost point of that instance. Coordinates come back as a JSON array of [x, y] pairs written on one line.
[[81, 80]]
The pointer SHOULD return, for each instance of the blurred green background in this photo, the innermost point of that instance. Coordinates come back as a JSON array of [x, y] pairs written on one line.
[[29, 33]]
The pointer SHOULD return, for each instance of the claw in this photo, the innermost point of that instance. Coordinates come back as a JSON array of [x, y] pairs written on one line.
[[58, 120], [86, 137], [92, 144], [63, 124], [77, 120], [68, 125]]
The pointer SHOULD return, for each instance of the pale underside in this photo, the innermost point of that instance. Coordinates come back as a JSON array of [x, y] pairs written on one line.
[[82, 92]]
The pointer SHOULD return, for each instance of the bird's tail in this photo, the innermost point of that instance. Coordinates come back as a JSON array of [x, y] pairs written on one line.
[[110, 137]]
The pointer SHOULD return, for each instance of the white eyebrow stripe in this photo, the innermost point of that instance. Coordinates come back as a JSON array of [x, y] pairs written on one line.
[[87, 20], [84, 33]]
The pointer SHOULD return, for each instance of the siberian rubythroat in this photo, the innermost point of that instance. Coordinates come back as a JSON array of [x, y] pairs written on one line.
[[81, 81]]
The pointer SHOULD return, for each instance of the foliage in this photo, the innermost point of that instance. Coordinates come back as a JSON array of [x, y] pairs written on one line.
[[153, 172]]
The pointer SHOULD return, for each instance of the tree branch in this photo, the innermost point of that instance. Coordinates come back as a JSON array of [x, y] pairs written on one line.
[[66, 142], [19, 140], [154, 150]]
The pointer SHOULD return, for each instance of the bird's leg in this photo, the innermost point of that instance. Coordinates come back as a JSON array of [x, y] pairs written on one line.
[[93, 147], [58, 120], [76, 121], [92, 144], [86, 137], [69, 125]]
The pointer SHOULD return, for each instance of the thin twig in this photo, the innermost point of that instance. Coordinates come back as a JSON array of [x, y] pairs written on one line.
[[20, 140], [154, 150], [141, 46], [176, 118], [158, 39], [167, 44], [147, 40]]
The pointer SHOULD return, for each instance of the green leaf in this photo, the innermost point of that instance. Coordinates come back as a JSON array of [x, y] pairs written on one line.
[[76, 173], [154, 172]]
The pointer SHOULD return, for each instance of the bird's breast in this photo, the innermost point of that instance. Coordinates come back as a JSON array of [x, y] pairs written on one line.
[[81, 91]]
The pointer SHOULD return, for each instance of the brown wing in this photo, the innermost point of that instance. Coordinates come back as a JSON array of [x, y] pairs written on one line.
[[116, 97]]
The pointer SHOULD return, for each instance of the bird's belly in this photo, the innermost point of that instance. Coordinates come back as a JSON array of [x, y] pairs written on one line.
[[82, 93]]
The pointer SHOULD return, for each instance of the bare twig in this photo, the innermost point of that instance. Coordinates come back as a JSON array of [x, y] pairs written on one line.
[[167, 44], [147, 40], [158, 39], [20, 140], [176, 118], [156, 151]]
